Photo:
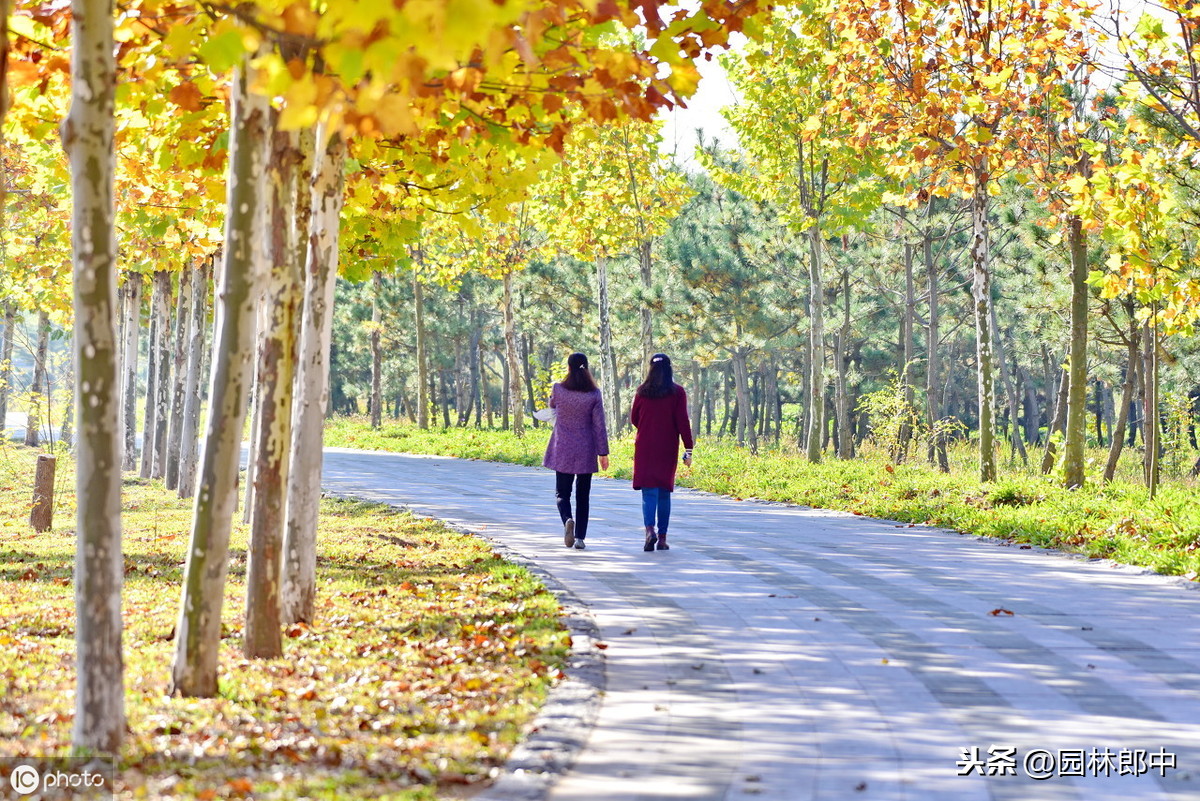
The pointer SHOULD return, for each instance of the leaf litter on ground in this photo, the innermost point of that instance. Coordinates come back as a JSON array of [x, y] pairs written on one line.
[[428, 658]]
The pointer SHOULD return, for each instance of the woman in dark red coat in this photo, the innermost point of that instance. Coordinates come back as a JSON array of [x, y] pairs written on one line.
[[660, 416]]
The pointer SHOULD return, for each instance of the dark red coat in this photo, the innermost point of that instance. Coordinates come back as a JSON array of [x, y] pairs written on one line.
[[661, 423]]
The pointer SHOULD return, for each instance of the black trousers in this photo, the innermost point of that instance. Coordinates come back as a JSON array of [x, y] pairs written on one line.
[[583, 494]]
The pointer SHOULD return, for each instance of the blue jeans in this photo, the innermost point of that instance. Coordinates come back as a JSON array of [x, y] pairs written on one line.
[[655, 500]]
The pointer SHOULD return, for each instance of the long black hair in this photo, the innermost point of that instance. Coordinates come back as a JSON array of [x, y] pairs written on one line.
[[660, 381], [578, 378]]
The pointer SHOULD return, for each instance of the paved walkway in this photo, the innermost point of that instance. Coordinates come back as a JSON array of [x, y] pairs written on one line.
[[794, 654]]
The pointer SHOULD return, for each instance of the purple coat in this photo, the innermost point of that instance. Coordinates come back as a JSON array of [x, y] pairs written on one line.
[[579, 434], [661, 423]]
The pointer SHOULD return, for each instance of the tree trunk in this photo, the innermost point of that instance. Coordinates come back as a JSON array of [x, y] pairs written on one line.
[[10, 328], [148, 428], [39, 391], [933, 411], [183, 317], [485, 390], [323, 195], [1077, 372], [276, 374], [845, 438], [67, 434], [1033, 411], [162, 394], [741, 377], [981, 294], [444, 386], [422, 360], [1117, 443], [1056, 424], [608, 359], [726, 414], [133, 314], [198, 633], [505, 388], [771, 398], [376, 352], [647, 270], [262, 313], [476, 371], [527, 370], [1152, 424], [189, 435], [99, 568], [908, 333], [515, 391], [1010, 392], [41, 515], [815, 433]]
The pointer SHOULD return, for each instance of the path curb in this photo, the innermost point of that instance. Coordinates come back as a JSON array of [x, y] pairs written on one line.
[[564, 723]]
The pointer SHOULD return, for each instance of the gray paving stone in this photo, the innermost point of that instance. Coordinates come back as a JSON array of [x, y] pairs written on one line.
[[792, 654]]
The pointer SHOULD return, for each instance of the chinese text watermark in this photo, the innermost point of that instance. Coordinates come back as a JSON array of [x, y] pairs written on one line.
[[1045, 763]]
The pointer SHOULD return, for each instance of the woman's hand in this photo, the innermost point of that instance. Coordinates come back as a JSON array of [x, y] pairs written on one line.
[[603, 462]]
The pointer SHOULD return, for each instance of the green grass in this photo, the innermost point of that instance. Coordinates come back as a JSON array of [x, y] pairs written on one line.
[[429, 657], [1114, 521]]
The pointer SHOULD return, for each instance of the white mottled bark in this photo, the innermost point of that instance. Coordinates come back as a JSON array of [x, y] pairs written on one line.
[[815, 433], [1074, 445], [10, 327], [422, 357], [151, 394], [132, 328], [162, 402], [88, 139], [376, 351], [312, 381], [981, 294], [154, 427], [39, 390], [276, 371], [516, 398], [183, 316], [608, 358], [198, 632], [189, 434]]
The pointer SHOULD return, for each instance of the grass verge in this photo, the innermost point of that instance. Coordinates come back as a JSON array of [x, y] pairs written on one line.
[[1114, 521], [429, 656]]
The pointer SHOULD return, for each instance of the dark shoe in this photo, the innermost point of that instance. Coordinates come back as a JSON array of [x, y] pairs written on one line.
[[651, 538], [580, 545], [662, 543], [569, 533]]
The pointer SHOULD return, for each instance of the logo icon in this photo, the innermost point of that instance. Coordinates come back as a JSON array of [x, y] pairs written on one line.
[[25, 779]]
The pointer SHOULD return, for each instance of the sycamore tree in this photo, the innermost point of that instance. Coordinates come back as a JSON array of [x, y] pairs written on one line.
[[961, 90], [442, 76], [612, 195], [733, 263], [802, 156], [1152, 259], [496, 244]]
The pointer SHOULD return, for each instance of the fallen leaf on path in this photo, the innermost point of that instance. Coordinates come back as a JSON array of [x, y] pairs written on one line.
[[998, 612]]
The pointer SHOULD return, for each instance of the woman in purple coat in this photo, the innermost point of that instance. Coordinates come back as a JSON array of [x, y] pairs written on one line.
[[578, 441], [661, 417]]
